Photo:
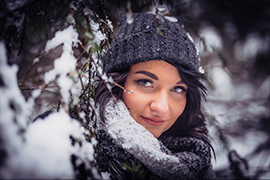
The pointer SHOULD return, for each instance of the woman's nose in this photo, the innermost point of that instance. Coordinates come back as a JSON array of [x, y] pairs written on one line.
[[159, 103]]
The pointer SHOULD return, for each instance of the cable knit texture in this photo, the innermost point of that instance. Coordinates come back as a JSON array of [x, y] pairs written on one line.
[[140, 41], [123, 140]]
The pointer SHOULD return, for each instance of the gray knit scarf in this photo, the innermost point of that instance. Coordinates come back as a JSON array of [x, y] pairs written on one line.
[[123, 143]]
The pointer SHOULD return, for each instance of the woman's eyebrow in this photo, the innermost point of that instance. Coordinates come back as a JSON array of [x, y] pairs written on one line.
[[147, 73], [180, 82]]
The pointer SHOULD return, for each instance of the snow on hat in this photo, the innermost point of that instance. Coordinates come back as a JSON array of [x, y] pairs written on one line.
[[139, 41]]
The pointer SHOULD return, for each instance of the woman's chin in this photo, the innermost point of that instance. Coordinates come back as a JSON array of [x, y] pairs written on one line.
[[156, 134]]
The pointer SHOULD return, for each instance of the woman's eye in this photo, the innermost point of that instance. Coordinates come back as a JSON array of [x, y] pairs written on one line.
[[144, 82], [178, 89]]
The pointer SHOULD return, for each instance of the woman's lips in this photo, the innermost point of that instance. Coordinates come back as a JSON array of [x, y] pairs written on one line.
[[153, 121]]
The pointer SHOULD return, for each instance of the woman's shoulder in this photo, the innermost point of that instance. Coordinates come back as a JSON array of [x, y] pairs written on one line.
[[195, 153]]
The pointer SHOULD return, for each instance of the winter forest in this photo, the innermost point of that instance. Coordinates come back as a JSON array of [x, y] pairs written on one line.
[[50, 55]]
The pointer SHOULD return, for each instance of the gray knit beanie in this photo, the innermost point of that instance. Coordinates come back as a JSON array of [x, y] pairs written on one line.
[[139, 41]]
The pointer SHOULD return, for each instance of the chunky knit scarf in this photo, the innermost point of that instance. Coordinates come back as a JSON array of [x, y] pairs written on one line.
[[127, 150]]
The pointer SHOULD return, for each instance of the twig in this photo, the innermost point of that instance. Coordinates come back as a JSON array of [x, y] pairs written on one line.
[[78, 112], [58, 106], [102, 28], [36, 60]]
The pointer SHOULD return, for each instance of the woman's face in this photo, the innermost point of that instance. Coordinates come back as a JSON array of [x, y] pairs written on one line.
[[158, 90]]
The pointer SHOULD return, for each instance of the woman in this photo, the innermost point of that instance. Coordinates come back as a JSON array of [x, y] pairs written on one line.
[[154, 128]]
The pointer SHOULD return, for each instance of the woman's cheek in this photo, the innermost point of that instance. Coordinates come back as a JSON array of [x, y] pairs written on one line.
[[136, 99], [141, 96]]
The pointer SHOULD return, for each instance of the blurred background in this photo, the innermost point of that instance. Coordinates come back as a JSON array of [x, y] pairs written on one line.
[[233, 38]]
